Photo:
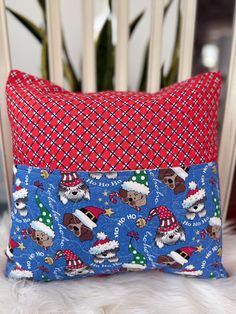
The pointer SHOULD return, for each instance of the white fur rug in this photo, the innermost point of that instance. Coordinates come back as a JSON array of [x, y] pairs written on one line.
[[140, 293]]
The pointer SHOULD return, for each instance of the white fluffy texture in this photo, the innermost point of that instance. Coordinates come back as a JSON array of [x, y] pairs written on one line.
[[178, 258], [189, 201], [22, 193], [180, 172], [190, 271], [192, 185], [101, 235], [135, 187], [84, 219], [40, 226], [215, 221], [100, 248], [130, 293], [18, 182]]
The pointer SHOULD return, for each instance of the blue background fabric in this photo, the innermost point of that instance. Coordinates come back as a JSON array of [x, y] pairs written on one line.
[[119, 237]]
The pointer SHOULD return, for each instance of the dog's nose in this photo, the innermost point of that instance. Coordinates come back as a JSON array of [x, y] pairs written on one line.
[[130, 199], [76, 228], [38, 239], [171, 237], [74, 192], [170, 181], [104, 254]]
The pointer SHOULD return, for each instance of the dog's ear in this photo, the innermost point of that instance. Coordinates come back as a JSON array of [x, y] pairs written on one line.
[[179, 185], [68, 217], [31, 232], [182, 234], [158, 240], [123, 193], [209, 230], [167, 172], [87, 194], [86, 234], [63, 199]]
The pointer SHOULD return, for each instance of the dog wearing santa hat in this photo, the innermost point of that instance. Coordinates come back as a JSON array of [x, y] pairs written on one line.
[[170, 230], [177, 259], [72, 188], [133, 191], [195, 202], [74, 265], [82, 222], [41, 229], [20, 199], [174, 178], [104, 249]]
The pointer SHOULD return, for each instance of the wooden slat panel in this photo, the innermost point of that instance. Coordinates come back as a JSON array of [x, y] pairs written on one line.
[[89, 64], [121, 53], [227, 153], [54, 41], [154, 59], [188, 16], [5, 130]]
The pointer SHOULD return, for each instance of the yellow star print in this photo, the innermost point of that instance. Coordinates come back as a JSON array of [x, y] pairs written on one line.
[[105, 193], [199, 248], [108, 212], [21, 246]]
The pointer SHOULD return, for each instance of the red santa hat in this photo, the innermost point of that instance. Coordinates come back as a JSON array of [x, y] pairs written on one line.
[[72, 260], [183, 254], [103, 244], [181, 172], [168, 221], [194, 195], [19, 273], [70, 179], [190, 271], [10, 248], [19, 191], [88, 215]]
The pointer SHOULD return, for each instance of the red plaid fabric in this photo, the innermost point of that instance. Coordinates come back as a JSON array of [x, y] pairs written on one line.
[[110, 131]]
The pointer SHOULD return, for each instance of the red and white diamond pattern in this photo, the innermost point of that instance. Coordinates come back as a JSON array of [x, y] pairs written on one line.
[[110, 131]]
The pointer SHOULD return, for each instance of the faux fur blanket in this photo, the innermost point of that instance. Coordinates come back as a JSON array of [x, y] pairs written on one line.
[[133, 293]]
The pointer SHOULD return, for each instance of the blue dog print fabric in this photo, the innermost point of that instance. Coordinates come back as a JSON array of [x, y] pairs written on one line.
[[77, 224]]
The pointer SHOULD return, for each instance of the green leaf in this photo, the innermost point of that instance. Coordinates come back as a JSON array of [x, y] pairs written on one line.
[[74, 84], [135, 22], [44, 59], [42, 4], [105, 58], [110, 5], [38, 32], [143, 81]]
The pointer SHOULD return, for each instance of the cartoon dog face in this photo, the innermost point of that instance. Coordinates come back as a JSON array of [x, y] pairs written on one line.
[[74, 193], [169, 237], [133, 199], [40, 238], [214, 232], [72, 223], [108, 255], [20, 206], [172, 180], [197, 207]]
